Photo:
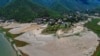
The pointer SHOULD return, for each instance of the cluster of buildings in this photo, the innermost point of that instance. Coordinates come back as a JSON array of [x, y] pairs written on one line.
[[66, 20]]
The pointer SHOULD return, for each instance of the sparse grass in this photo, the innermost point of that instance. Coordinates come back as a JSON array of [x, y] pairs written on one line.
[[77, 34], [24, 54]]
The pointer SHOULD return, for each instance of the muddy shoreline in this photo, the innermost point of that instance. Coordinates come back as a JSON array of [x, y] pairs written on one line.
[[97, 49], [14, 42]]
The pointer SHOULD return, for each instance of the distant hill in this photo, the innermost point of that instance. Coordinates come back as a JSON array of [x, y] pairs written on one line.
[[63, 5], [3, 2], [69, 4]]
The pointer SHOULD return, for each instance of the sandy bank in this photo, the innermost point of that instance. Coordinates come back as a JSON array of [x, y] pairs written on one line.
[[17, 28], [73, 31]]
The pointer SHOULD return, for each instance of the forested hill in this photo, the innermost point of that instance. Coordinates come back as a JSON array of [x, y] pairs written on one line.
[[25, 11]]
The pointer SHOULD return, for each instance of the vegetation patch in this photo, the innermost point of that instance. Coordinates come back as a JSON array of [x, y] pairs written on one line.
[[8, 34], [12, 36], [53, 29], [97, 53], [92, 25], [20, 43]]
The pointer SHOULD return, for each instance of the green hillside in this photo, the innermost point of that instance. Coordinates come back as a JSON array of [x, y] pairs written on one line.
[[25, 11]]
